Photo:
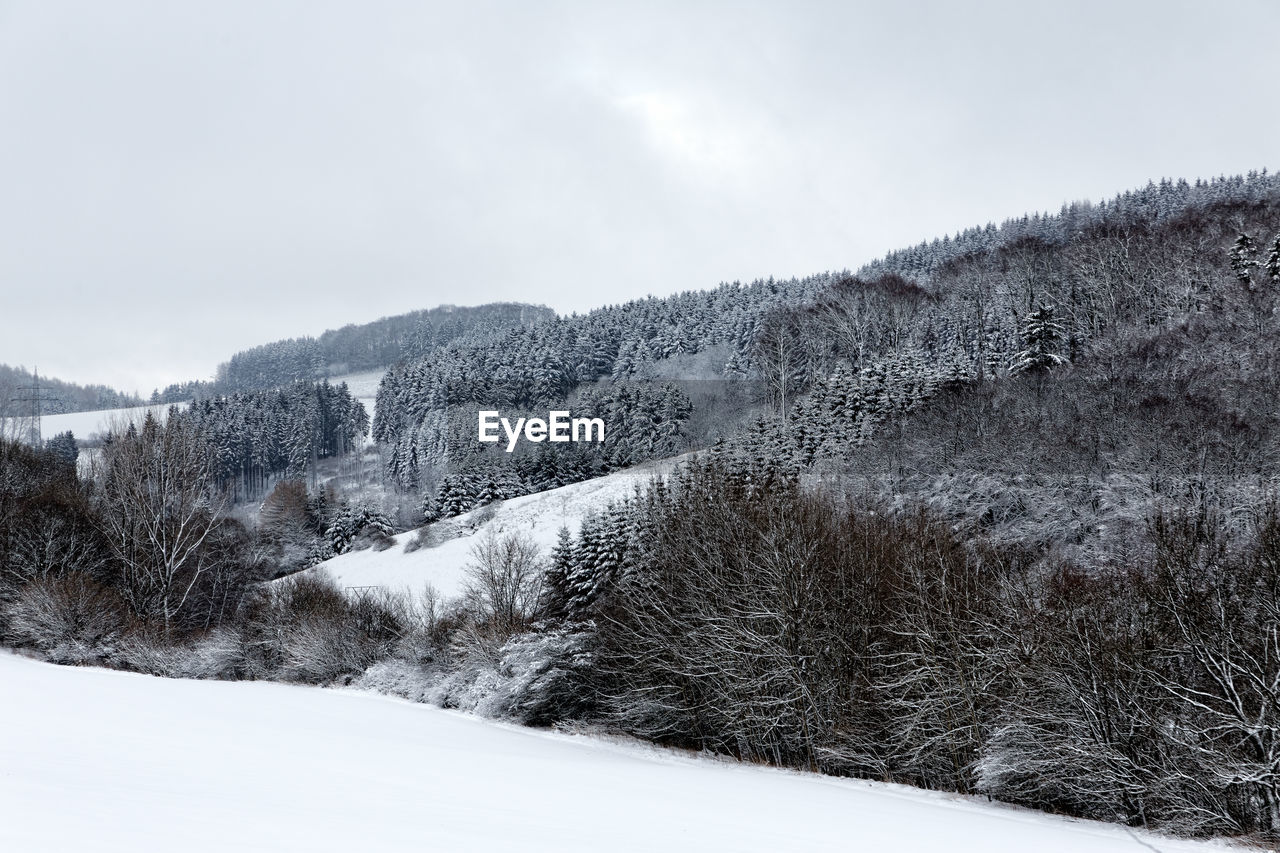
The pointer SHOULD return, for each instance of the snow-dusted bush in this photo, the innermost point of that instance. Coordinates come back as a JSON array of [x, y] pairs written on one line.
[[307, 629], [219, 654], [537, 679], [70, 618], [417, 540], [397, 677]]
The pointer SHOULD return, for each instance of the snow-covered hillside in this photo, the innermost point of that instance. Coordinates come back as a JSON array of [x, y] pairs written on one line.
[[92, 759], [91, 425], [442, 560], [363, 386]]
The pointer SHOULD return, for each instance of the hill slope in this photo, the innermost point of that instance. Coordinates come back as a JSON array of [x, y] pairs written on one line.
[[272, 767], [540, 516], [57, 396], [371, 346]]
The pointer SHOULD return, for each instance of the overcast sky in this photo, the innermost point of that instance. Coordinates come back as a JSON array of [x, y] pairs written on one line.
[[181, 180]]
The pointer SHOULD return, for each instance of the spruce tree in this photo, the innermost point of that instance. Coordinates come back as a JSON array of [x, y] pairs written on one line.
[[430, 507], [555, 584], [63, 445], [1042, 337], [1273, 262], [1243, 259]]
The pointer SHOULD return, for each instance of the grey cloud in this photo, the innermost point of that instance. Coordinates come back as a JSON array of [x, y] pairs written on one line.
[[183, 180]]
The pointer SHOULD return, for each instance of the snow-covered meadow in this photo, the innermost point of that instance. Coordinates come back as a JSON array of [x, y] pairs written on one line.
[[92, 759], [441, 561], [90, 426], [363, 386]]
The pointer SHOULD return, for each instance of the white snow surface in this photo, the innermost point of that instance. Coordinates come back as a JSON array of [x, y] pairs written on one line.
[[87, 425], [92, 759], [444, 565], [91, 425], [364, 387]]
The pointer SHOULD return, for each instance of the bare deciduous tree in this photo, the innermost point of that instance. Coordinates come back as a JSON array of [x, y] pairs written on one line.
[[504, 581], [159, 513]]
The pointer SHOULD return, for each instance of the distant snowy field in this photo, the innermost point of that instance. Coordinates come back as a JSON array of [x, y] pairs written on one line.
[[363, 386], [92, 759], [92, 425], [539, 516]]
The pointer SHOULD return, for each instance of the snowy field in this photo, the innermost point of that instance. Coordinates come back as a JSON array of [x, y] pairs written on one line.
[[92, 759], [91, 425], [540, 516], [363, 386]]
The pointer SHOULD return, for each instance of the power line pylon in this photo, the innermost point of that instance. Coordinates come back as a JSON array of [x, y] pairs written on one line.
[[33, 395]]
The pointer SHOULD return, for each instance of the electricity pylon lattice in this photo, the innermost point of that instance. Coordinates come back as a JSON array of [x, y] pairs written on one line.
[[34, 396]]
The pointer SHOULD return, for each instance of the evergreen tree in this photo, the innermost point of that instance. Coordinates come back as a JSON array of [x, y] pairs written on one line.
[[1243, 257], [555, 584], [1042, 337], [1273, 262], [430, 508], [63, 445], [453, 497], [350, 522]]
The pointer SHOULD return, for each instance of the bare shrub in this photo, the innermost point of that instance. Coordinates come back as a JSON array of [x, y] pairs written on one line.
[[71, 617], [484, 514], [421, 638], [305, 628], [504, 581], [424, 537]]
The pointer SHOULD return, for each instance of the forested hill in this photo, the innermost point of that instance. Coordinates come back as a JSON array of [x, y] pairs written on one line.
[[526, 367], [355, 348], [1152, 205], [844, 354], [57, 396], [1059, 388], [371, 345]]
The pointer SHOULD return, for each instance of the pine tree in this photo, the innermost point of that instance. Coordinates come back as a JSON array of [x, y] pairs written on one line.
[[453, 497], [555, 585], [1243, 259], [597, 560], [350, 522], [1273, 262], [1042, 337], [430, 507], [63, 445], [340, 532]]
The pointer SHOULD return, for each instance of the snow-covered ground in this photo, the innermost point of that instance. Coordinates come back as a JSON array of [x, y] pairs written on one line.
[[443, 564], [91, 425], [363, 386], [92, 759]]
